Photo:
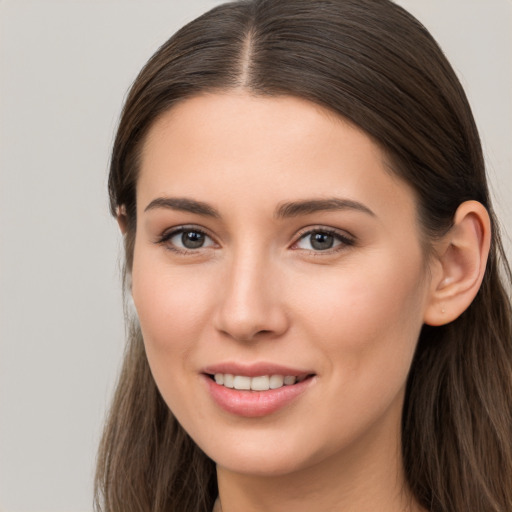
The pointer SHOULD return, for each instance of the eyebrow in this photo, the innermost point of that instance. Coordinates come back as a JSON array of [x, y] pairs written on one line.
[[184, 205], [306, 207], [285, 210]]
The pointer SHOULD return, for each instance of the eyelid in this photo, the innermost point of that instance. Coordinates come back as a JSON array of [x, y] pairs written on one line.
[[346, 238], [169, 233]]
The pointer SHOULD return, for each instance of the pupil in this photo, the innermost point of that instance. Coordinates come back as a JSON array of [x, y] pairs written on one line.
[[322, 241], [192, 239]]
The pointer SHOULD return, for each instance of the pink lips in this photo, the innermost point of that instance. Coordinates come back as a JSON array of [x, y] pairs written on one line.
[[252, 404]]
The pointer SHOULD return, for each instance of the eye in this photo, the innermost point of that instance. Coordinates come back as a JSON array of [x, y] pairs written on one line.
[[186, 239], [322, 240]]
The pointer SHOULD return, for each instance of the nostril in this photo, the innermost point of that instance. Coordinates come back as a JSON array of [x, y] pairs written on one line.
[[263, 331]]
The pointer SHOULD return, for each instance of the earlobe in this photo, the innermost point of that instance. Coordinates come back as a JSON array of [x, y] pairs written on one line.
[[121, 218], [461, 261]]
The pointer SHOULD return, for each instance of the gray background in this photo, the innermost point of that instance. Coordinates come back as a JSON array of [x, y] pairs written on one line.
[[65, 67]]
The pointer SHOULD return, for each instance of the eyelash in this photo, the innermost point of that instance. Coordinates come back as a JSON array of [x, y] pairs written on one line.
[[168, 235], [344, 240]]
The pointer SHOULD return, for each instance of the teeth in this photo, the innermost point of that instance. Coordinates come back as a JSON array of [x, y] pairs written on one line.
[[276, 381], [228, 380], [240, 382], [289, 380], [260, 383]]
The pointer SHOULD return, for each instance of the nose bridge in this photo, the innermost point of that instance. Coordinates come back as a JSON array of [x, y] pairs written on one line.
[[249, 301]]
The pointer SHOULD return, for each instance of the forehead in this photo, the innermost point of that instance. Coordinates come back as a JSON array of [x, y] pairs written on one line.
[[242, 119], [222, 146]]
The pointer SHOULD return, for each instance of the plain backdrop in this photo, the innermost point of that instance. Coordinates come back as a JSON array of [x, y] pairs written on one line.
[[65, 67]]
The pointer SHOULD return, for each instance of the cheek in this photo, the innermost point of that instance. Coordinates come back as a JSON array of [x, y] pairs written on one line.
[[368, 318], [366, 322], [171, 303]]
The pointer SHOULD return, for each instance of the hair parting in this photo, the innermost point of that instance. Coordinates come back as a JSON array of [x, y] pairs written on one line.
[[376, 66]]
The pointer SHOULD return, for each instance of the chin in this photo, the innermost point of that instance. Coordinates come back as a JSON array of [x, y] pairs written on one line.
[[263, 455], [260, 464]]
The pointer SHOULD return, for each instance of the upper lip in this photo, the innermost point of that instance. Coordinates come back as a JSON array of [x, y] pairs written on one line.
[[255, 369]]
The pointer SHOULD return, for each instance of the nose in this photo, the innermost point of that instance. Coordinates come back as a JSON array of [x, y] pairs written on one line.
[[251, 300]]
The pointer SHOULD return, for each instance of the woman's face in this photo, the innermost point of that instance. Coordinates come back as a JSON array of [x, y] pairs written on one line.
[[272, 241]]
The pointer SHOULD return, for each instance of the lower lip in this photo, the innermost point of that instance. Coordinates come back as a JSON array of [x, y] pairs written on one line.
[[254, 404]]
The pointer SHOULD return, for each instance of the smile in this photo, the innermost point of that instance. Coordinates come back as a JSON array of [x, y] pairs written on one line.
[[253, 397], [258, 383]]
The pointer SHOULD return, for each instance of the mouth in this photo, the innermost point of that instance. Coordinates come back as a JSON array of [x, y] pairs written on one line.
[[258, 382], [259, 393], [256, 389]]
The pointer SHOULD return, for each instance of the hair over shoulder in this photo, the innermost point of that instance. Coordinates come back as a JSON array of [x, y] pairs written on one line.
[[375, 65]]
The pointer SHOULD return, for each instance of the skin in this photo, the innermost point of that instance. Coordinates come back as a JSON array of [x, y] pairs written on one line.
[[259, 291]]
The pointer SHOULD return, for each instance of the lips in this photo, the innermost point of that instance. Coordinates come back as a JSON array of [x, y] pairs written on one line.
[[255, 390], [255, 369]]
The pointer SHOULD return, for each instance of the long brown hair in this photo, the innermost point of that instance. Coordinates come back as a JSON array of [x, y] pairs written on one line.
[[374, 64]]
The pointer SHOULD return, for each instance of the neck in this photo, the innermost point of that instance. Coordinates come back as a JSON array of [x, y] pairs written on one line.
[[366, 477]]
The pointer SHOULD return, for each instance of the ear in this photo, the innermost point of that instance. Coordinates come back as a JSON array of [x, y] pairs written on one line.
[[458, 268], [122, 218]]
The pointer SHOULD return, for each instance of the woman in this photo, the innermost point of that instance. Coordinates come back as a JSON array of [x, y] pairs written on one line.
[[321, 316]]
